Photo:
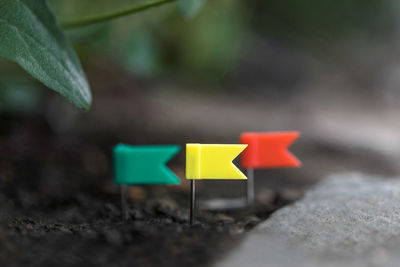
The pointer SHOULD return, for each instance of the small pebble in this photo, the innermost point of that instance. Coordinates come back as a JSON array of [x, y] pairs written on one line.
[[224, 218], [265, 197]]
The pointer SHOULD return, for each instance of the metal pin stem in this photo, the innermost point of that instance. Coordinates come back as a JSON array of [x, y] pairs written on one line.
[[124, 204], [192, 201], [250, 187]]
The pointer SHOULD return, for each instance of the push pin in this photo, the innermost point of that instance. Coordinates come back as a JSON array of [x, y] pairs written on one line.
[[266, 150], [142, 165], [205, 161]]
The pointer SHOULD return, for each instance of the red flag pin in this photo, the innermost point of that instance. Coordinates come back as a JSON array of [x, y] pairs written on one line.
[[266, 150]]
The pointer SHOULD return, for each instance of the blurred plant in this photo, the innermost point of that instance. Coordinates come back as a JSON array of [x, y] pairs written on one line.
[[194, 49], [32, 37], [18, 96], [196, 40], [325, 20], [140, 53]]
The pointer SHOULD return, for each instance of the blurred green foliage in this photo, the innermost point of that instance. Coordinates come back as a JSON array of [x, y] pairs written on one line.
[[190, 8], [18, 97], [209, 45], [19, 92], [73, 10], [161, 41], [200, 40], [140, 54], [328, 19]]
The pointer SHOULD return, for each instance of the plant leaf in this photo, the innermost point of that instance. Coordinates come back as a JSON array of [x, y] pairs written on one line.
[[31, 37], [189, 8]]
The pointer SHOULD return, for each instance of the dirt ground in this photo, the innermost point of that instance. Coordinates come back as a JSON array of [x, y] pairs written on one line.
[[59, 207]]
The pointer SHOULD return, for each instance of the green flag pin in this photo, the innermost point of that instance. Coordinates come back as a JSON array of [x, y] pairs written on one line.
[[142, 165]]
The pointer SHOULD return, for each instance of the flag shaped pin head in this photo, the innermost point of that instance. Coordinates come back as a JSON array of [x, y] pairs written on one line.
[[144, 165], [268, 150], [212, 161]]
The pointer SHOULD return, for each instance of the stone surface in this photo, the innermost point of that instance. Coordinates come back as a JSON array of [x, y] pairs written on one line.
[[347, 219]]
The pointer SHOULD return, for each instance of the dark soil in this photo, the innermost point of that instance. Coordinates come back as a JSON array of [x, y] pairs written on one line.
[[86, 231], [59, 207]]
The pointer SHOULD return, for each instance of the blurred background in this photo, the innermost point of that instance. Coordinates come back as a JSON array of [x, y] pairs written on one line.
[[330, 69]]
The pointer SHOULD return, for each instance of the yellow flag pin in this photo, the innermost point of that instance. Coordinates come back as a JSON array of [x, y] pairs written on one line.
[[211, 161]]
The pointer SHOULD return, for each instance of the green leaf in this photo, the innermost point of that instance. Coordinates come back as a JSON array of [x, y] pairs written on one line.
[[31, 37], [189, 8]]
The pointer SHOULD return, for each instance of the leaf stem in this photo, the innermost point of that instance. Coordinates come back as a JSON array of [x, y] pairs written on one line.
[[116, 14]]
